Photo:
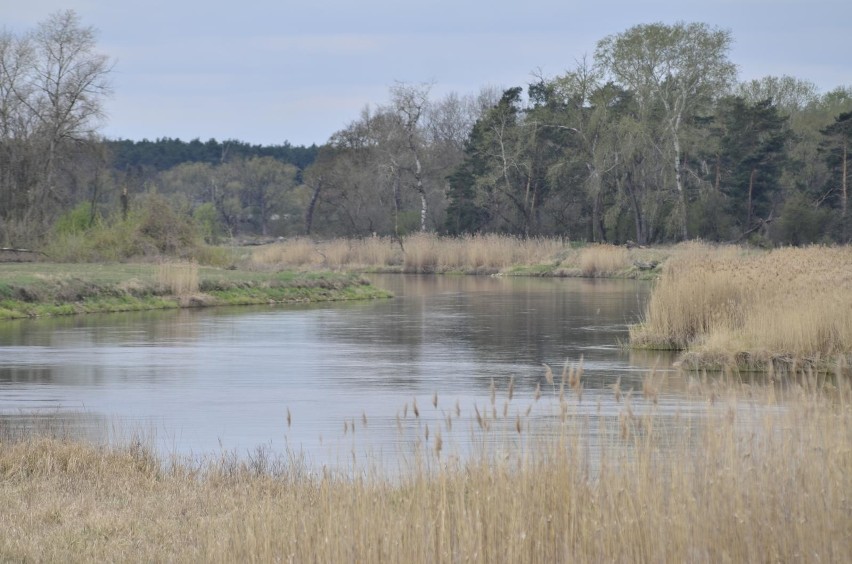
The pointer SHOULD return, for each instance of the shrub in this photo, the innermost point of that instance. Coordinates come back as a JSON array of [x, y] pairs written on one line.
[[78, 219], [152, 230], [168, 232]]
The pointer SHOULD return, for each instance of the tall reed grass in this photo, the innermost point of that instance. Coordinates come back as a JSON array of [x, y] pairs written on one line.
[[178, 278], [762, 476], [335, 253], [730, 308], [419, 253], [470, 254], [603, 260]]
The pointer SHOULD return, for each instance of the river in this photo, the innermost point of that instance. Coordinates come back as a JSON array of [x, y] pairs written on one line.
[[321, 379]]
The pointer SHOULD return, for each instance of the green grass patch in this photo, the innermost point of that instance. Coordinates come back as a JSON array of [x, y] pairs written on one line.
[[49, 289]]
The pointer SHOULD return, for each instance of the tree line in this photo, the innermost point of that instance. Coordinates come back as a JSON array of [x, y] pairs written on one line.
[[651, 139]]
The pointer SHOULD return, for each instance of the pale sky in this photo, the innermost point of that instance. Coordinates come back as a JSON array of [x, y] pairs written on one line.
[[265, 71]]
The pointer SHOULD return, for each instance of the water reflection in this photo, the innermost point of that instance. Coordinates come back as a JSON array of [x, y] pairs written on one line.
[[54, 423], [226, 378]]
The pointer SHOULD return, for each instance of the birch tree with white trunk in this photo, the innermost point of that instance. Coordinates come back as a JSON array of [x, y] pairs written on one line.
[[676, 68], [409, 102]]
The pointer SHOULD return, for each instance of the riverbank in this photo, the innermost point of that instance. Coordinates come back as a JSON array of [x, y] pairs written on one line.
[[47, 289], [728, 487], [728, 309], [470, 254]]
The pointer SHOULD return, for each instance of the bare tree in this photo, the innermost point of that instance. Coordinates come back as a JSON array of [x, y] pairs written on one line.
[[52, 86], [409, 102]]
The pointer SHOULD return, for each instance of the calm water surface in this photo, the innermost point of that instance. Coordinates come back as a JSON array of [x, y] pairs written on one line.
[[203, 381]]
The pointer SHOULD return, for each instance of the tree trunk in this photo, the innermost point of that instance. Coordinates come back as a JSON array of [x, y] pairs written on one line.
[[718, 172], [843, 179], [679, 183], [93, 203], [397, 205], [309, 212], [598, 229], [526, 209], [750, 192], [125, 204], [419, 181], [263, 211], [422, 209], [637, 211]]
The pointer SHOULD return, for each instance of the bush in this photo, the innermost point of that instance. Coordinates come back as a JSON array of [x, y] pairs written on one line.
[[801, 223], [207, 219], [153, 229], [168, 232], [77, 220]]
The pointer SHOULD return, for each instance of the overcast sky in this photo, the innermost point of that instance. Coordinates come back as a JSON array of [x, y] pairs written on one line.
[[269, 71]]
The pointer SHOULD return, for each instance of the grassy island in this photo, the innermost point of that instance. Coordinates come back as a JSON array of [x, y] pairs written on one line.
[[40, 289]]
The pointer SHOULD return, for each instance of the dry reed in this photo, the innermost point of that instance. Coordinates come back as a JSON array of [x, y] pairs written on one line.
[[178, 279], [603, 260], [334, 254], [421, 253], [762, 476], [787, 306]]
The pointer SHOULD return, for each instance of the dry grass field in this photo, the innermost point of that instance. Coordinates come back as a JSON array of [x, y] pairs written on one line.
[[761, 476], [730, 308]]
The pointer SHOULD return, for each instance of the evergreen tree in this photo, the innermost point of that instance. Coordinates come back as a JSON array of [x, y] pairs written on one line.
[[752, 154]]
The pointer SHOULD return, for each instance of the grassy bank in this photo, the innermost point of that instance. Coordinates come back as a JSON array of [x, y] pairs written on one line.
[[762, 476], [39, 289], [730, 309], [472, 254]]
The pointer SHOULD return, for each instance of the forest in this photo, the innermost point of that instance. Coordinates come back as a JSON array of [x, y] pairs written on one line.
[[650, 139]]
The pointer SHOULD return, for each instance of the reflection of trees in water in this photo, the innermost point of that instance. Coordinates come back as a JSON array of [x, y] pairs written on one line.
[[71, 350], [77, 375], [25, 374], [162, 327], [486, 321], [76, 425]]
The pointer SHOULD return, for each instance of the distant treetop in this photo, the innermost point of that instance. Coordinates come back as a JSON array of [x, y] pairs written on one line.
[[165, 153]]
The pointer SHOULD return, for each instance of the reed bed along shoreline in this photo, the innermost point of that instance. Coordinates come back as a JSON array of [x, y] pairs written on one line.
[[773, 486], [469, 254], [727, 308]]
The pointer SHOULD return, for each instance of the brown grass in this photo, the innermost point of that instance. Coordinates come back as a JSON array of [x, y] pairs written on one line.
[[179, 278], [335, 254], [419, 253], [762, 476], [729, 308], [603, 260], [470, 254]]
